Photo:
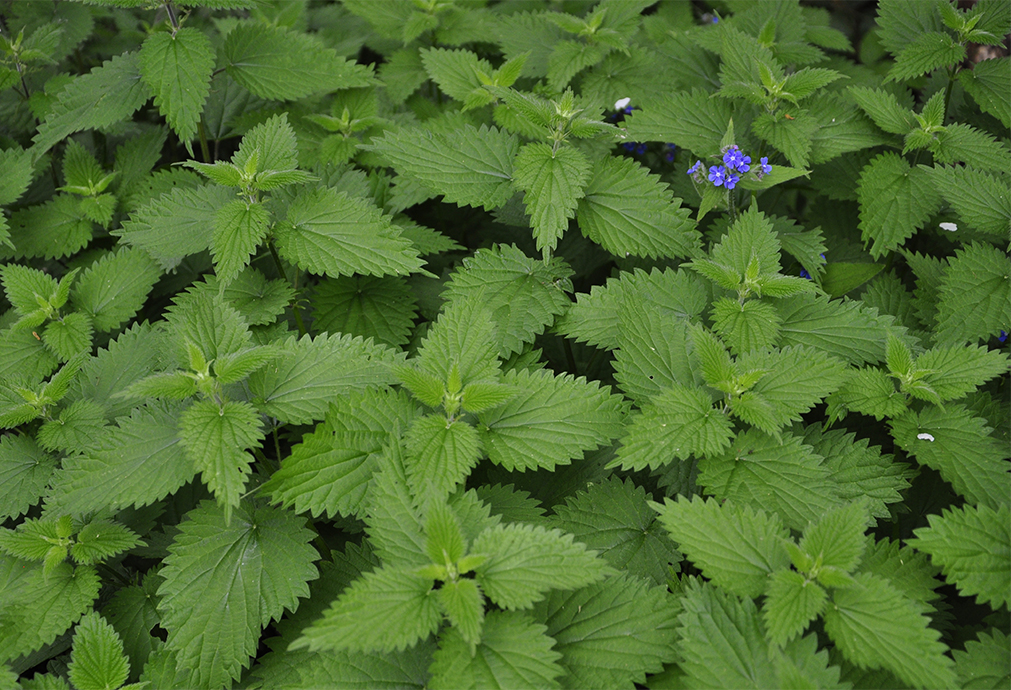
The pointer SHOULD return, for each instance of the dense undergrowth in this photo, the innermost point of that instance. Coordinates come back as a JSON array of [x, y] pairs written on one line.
[[504, 344]]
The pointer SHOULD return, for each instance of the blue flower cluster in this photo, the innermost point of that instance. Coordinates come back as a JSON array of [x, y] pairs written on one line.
[[1002, 337], [735, 164], [803, 272]]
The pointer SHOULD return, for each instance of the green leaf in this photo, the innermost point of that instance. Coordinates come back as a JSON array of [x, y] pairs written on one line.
[[385, 610], [975, 295], [610, 633], [551, 420], [984, 663], [201, 323], [455, 71], [782, 477], [791, 602], [69, 335], [175, 225], [138, 462], [676, 424], [268, 147], [29, 290], [961, 143], [524, 295], [308, 374], [225, 581], [216, 438], [17, 166], [260, 301], [464, 607], [79, 425], [869, 391], [481, 397], [568, 58], [38, 606], [133, 614], [113, 289], [514, 652], [275, 63], [381, 308], [97, 661], [987, 82], [653, 351], [239, 228], [469, 166], [525, 561], [177, 68], [614, 519], [746, 326], [972, 545], [951, 372], [106, 95], [925, 53], [552, 183], [463, 338], [628, 211], [394, 523], [895, 201], [25, 471], [51, 230], [902, 22], [99, 540], [837, 540], [235, 366], [736, 547], [793, 136], [80, 169], [841, 278], [875, 626], [330, 233], [440, 453], [132, 356]]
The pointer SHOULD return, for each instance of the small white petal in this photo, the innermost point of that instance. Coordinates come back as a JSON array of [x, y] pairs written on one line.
[[621, 103], [925, 437], [950, 227]]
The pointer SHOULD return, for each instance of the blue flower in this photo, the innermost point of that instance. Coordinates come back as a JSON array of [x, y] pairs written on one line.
[[766, 168], [669, 152], [733, 157], [629, 146], [804, 274], [640, 149], [1002, 337], [731, 180], [695, 168], [717, 175]]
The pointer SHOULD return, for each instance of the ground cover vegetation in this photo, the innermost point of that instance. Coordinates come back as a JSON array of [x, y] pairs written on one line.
[[453, 344]]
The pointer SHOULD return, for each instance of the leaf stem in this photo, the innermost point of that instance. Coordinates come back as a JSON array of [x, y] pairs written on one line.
[[205, 150], [294, 303]]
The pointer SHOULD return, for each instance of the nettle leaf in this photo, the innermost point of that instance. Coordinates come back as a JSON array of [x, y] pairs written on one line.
[[793, 136], [925, 53], [551, 420], [986, 82], [394, 522], [224, 581], [330, 233], [524, 295], [736, 547], [177, 68], [974, 296], [875, 626], [628, 211], [972, 545], [25, 471], [38, 605], [457, 72], [525, 561], [690, 119], [17, 166], [746, 326], [951, 372], [114, 288], [307, 373], [791, 602], [902, 22], [239, 228], [468, 166], [106, 95], [610, 633], [514, 652], [653, 352], [97, 661], [676, 424], [961, 447], [983, 661], [68, 335], [133, 614], [382, 308], [844, 329], [259, 300], [962, 143], [137, 463], [276, 63], [461, 340], [781, 476], [614, 518], [99, 540], [439, 453], [552, 182], [895, 201], [216, 438], [202, 321], [51, 230]]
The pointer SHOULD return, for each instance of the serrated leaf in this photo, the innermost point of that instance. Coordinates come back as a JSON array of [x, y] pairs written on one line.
[[216, 438], [39, 607], [133, 614], [17, 166], [550, 421], [983, 662], [845, 329], [869, 391], [463, 604], [746, 326], [51, 230], [330, 233], [225, 581], [139, 462], [469, 166], [972, 545], [837, 540], [791, 602], [177, 68], [25, 470], [462, 339], [385, 610], [610, 633], [614, 519], [382, 308], [524, 295], [260, 301], [653, 347], [439, 454], [793, 136], [525, 561], [959, 142], [68, 335], [628, 211], [895, 201], [975, 295], [114, 288], [690, 119], [455, 71], [951, 372], [101, 539], [987, 82], [106, 95], [736, 547], [308, 373], [552, 183], [394, 523], [239, 227], [97, 661], [876, 627], [514, 652], [925, 53], [275, 63]]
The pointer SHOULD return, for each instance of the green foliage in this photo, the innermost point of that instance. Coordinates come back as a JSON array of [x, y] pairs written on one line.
[[384, 344]]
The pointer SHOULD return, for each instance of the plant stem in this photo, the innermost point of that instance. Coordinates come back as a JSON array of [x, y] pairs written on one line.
[[294, 303], [205, 150]]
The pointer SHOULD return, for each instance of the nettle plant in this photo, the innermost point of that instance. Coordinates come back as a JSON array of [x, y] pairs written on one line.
[[463, 344]]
